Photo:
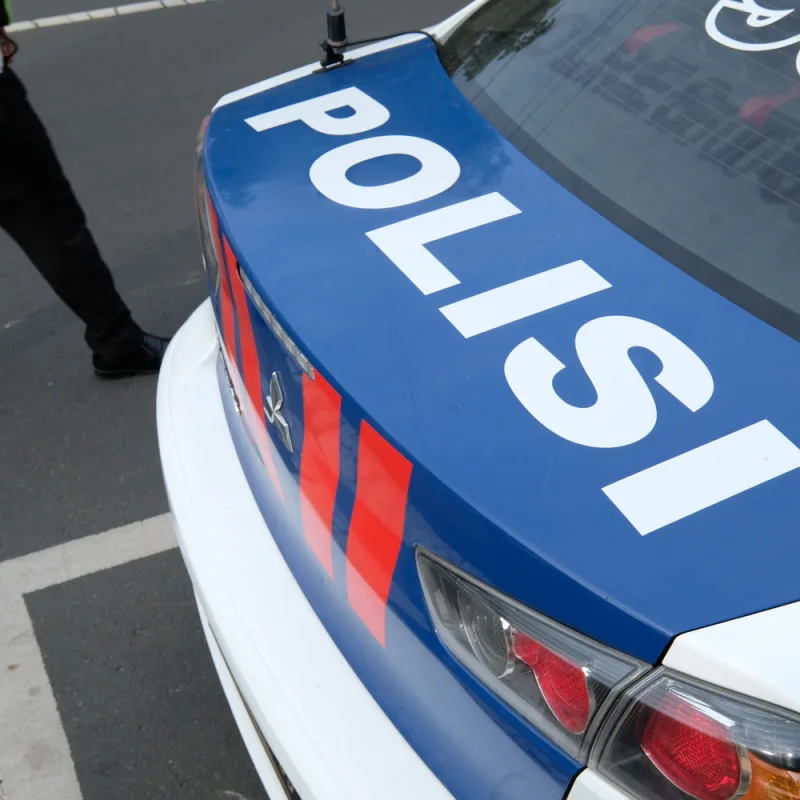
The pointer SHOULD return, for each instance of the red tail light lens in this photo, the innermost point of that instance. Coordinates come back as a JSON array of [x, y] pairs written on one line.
[[563, 684], [657, 735], [673, 738], [559, 680], [692, 750]]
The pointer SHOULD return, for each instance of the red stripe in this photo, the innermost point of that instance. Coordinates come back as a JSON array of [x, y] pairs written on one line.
[[251, 372], [376, 528], [226, 305], [247, 343], [319, 465]]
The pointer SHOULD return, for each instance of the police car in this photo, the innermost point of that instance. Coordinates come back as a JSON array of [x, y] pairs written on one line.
[[483, 453]]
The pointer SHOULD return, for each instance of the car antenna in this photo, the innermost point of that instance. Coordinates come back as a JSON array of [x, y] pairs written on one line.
[[336, 42]]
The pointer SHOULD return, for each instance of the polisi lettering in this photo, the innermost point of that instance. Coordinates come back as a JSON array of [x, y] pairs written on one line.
[[438, 172], [367, 114], [404, 242], [625, 410]]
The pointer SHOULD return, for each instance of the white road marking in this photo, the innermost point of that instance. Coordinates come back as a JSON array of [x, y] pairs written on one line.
[[35, 760], [97, 13], [103, 13], [137, 8]]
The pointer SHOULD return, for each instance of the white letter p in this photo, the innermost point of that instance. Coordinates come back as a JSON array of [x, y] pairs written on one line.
[[368, 114]]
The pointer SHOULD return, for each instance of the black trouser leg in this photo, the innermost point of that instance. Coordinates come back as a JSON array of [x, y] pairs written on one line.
[[39, 210]]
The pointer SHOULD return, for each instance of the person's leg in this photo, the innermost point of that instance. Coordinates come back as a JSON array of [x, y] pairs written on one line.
[[39, 210]]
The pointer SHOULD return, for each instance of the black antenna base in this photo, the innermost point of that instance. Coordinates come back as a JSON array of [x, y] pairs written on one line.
[[336, 42], [332, 58]]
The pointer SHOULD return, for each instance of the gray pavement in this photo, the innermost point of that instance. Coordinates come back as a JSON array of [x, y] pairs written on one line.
[[122, 99], [166, 734]]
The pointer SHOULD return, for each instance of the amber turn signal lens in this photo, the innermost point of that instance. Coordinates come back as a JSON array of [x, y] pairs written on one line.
[[771, 783]]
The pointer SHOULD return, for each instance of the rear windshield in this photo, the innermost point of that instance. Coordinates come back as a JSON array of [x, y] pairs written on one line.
[[679, 120]]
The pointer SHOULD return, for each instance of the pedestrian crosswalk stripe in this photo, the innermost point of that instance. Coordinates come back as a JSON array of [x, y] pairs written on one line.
[[35, 759]]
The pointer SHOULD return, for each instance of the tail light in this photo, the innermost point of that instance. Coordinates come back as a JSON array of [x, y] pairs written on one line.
[[674, 738], [561, 681], [563, 685], [209, 250], [693, 751], [658, 734]]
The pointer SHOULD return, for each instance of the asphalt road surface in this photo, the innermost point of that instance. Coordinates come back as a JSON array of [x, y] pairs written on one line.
[[136, 697]]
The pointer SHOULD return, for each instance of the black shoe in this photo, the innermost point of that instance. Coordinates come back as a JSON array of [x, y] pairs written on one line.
[[143, 358]]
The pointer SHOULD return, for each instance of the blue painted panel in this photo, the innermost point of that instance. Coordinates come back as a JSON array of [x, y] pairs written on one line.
[[493, 490], [445, 399], [474, 744]]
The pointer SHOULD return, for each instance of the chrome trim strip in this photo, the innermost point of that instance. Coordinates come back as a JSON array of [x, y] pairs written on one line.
[[223, 359], [276, 327]]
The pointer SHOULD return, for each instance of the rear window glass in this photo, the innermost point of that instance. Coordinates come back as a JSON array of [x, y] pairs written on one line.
[[677, 119]]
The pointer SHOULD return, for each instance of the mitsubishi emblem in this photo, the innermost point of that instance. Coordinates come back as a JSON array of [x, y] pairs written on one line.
[[274, 411]]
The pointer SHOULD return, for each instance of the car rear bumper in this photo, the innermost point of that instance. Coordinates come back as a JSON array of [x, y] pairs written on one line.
[[284, 677]]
